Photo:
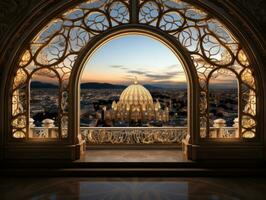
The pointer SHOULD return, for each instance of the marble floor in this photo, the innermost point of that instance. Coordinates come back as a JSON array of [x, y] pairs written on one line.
[[132, 188], [124, 155]]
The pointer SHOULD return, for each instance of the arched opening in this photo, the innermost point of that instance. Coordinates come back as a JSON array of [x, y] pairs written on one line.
[[203, 43], [44, 121], [223, 89], [134, 94]]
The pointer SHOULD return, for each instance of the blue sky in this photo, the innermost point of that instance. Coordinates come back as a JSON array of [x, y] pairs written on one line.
[[123, 58]]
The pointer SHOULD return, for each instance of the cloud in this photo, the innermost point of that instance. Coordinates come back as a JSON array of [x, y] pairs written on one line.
[[175, 73], [155, 77], [223, 82], [166, 75], [172, 82], [172, 66], [118, 66], [159, 76], [152, 76], [137, 72]]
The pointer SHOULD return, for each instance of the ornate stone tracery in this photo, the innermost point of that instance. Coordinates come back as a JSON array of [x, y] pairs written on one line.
[[210, 45]]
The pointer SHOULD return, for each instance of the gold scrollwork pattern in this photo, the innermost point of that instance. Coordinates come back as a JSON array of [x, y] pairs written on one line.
[[210, 45], [135, 135], [56, 47]]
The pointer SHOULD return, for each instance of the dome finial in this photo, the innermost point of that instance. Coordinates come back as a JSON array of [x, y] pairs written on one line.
[[136, 80]]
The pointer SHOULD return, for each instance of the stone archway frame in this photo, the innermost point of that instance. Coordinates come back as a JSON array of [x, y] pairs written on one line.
[[180, 52], [256, 148]]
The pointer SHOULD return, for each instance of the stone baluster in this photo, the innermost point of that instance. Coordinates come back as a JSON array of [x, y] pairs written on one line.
[[48, 124], [219, 124], [31, 127], [236, 126]]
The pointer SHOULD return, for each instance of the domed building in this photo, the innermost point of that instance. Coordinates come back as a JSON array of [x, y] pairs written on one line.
[[136, 105]]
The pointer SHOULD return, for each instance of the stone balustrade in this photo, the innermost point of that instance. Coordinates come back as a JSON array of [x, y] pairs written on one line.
[[48, 129], [134, 135]]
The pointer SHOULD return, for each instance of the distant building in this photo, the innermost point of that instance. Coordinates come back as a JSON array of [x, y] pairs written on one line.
[[136, 104]]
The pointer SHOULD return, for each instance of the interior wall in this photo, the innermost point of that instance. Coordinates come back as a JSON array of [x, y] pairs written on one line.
[[13, 14]]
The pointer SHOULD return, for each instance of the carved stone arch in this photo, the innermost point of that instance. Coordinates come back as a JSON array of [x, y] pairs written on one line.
[[169, 41], [250, 49], [252, 38], [210, 77], [57, 80]]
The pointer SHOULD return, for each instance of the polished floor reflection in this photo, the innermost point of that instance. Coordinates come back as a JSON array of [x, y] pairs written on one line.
[[132, 155], [132, 188]]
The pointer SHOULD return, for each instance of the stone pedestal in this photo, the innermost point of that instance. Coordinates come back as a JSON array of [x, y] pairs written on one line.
[[236, 126], [219, 124], [48, 124], [31, 127]]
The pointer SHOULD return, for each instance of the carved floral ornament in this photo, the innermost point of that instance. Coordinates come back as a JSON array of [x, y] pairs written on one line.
[[212, 48]]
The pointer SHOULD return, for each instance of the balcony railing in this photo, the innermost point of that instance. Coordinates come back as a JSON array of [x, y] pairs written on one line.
[[44, 132], [224, 132], [133, 135]]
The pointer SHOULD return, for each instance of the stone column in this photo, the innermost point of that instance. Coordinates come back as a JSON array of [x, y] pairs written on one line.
[[48, 124], [236, 126], [31, 127], [219, 123]]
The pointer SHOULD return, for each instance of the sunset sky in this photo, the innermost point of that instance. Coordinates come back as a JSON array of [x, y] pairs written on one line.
[[123, 58]]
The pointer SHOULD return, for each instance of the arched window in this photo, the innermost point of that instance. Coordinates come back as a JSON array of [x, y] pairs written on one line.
[[223, 104], [44, 121], [202, 41], [133, 96]]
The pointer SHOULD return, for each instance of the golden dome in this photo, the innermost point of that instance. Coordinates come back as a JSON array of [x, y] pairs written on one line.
[[136, 103], [135, 94]]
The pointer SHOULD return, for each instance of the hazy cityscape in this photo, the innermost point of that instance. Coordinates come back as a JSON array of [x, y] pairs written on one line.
[[110, 97], [44, 105], [94, 100]]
